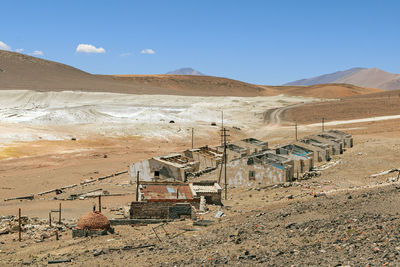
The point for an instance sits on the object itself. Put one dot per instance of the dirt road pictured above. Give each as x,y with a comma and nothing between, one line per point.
274,116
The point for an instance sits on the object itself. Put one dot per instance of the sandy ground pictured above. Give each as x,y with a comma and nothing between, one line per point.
35,165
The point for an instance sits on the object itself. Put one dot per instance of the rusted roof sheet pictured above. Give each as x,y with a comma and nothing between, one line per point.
166,191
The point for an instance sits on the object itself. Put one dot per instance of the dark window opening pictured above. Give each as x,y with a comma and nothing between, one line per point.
252,175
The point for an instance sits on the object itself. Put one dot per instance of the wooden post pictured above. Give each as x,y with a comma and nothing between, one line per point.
323,128
19,224
156,234
137,186
225,162
50,219
59,214
177,192
57,235
100,203
296,130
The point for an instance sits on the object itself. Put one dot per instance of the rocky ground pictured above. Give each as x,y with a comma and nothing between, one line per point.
352,220
354,228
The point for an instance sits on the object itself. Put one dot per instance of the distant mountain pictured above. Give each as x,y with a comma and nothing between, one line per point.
373,78
326,78
185,71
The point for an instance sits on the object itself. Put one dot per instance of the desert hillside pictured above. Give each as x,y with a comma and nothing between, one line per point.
352,107
197,85
19,71
325,90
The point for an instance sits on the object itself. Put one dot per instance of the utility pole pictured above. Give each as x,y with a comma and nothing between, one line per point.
222,127
223,136
192,137
137,186
19,225
296,130
323,128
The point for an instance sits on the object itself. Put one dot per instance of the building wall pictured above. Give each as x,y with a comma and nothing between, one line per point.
347,140
205,161
147,168
321,154
160,210
252,148
144,171
238,174
335,147
211,198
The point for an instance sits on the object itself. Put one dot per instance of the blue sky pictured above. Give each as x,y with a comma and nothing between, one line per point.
264,42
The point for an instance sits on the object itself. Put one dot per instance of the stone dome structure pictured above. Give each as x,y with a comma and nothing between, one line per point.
93,221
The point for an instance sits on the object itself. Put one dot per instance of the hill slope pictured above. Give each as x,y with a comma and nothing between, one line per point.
19,71
198,85
325,90
373,78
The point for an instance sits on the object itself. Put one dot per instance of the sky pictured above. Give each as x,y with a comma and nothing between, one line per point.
264,42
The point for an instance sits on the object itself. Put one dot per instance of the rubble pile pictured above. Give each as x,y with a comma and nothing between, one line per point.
33,229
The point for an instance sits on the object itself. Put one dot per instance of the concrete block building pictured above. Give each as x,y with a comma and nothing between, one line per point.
174,167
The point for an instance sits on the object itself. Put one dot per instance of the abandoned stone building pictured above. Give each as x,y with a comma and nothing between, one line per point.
347,139
319,153
207,157
210,190
302,158
174,167
335,145
249,161
164,200
234,151
326,148
252,145
161,210
263,168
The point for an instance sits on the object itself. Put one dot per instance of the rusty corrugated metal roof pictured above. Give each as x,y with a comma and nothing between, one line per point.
166,191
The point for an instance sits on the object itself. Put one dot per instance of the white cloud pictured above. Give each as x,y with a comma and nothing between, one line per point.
4,46
147,51
19,50
126,54
37,53
88,48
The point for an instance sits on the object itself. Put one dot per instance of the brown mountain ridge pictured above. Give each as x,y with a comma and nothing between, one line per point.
21,71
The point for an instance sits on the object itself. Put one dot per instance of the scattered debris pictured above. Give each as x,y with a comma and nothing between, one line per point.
203,223
131,247
219,214
59,261
385,172
328,165
30,197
